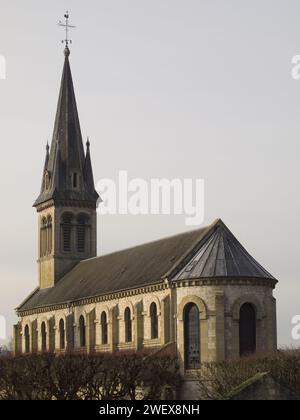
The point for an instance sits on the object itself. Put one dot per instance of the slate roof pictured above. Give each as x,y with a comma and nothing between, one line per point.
209,252
67,153
222,255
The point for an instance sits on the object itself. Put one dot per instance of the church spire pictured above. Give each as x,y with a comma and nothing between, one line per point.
66,205
72,183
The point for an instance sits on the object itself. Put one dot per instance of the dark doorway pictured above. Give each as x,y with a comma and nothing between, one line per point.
247,329
191,336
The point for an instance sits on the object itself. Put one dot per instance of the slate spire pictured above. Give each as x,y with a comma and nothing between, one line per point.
68,169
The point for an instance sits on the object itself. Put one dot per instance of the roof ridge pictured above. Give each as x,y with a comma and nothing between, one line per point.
151,243
197,244
213,241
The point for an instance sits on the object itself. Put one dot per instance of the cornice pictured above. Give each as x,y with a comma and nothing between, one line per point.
225,281
155,287
65,203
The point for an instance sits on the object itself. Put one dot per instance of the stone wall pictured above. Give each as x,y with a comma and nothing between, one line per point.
218,305
54,266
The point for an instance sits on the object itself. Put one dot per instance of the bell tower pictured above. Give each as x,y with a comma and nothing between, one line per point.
66,205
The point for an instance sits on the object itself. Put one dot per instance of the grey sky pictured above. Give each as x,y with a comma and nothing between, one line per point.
165,88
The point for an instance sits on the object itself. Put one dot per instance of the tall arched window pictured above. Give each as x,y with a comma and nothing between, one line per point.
67,232
49,235
154,320
27,339
82,337
62,334
191,336
43,237
128,325
44,336
104,335
81,233
247,329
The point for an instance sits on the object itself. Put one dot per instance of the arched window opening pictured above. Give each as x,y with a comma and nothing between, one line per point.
128,325
191,336
154,320
62,344
81,233
49,235
44,336
67,231
43,237
27,339
104,335
247,329
82,336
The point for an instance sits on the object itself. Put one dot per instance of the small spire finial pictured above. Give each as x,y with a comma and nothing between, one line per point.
67,26
88,143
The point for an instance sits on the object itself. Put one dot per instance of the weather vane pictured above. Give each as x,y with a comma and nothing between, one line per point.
67,26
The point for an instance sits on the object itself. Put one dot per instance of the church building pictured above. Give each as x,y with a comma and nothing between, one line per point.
199,294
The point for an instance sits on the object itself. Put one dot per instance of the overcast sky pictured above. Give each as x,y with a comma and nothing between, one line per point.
165,88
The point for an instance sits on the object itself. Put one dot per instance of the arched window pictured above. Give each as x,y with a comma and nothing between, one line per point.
62,334
44,336
128,325
154,320
49,235
27,339
43,237
67,231
82,332
247,329
104,335
191,336
81,233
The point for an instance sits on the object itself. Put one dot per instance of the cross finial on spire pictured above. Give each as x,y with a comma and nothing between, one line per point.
67,26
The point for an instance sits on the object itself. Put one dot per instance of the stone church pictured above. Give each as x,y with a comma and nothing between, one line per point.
199,294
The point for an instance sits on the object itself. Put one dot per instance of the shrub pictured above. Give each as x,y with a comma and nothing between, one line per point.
217,380
77,376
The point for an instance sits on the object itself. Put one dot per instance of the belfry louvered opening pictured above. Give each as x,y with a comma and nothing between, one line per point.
67,231
81,233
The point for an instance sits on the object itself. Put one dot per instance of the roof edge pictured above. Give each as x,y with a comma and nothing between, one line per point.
203,236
